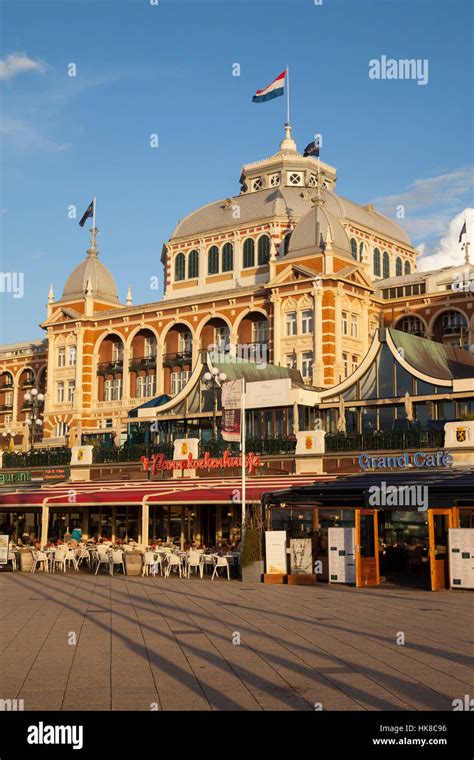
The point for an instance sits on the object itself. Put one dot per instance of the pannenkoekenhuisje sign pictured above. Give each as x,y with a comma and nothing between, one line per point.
419,460
158,462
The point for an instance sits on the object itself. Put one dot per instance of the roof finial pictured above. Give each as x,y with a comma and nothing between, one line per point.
288,145
129,296
51,294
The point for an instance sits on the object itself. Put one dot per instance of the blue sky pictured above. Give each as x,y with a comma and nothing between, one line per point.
167,69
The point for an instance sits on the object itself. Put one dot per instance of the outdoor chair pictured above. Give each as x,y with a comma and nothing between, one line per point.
174,561
102,559
70,557
221,562
40,558
158,564
207,562
59,559
148,563
116,558
84,554
194,561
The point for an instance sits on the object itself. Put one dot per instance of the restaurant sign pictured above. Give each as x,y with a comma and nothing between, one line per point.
419,460
159,463
56,474
22,476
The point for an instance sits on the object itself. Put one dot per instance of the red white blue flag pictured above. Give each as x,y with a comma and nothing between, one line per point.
272,90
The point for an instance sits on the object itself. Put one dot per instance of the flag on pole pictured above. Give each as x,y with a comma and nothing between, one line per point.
312,149
272,90
87,214
463,231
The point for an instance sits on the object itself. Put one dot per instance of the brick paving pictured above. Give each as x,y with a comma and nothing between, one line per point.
167,644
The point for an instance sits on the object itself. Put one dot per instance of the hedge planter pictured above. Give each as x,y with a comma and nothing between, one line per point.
133,563
253,573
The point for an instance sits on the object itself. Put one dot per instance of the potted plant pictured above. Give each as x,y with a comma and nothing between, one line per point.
252,555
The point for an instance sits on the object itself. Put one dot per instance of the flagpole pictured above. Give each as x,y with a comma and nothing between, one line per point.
93,243
242,448
288,95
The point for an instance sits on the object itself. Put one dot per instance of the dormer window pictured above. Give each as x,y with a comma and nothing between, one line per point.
294,178
257,184
274,180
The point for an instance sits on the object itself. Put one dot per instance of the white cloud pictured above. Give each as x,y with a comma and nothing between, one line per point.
17,63
448,251
26,137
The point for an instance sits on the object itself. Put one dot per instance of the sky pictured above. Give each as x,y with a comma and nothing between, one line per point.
166,68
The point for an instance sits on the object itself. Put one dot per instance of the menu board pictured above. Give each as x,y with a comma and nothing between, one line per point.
275,551
3,549
342,560
461,557
301,556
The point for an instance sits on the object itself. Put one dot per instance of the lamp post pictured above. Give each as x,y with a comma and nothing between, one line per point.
212,381
34,421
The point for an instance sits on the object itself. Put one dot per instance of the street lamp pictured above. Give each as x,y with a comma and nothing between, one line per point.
34,421
212,381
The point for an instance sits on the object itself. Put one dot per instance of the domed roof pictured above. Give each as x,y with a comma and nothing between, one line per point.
93,274
311,232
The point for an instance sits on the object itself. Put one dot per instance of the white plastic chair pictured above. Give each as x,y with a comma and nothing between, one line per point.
40,558
59,559
116,558
70,557
148,563
158,563
221,562
173,561
207,562
194,560
84,554
102,559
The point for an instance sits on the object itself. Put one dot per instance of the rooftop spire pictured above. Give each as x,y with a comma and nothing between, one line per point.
51,294
288,145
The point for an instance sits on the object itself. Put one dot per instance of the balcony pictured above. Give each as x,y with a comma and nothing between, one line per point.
110,368
26,405
6,407
454,330
5,386
142,363
28,383
177,359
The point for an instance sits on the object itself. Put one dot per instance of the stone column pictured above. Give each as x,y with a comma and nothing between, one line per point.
160,379
44,524
318,365
145,523
126,375
365,326
338,334
275,299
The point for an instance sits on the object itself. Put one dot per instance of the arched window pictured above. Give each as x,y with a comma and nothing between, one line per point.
193,265
227,257
361,251
354,248
249,253
407,267
376,262
398,267
412,325
286,243
179,267
263,250
386,265
213,260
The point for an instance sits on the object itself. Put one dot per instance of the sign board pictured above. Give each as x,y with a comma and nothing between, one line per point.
301,556
342,559
81,454
3,549
231,410
23,476
158,462
268,393
461,557
183,447
310,442
56,474
275,552
459,435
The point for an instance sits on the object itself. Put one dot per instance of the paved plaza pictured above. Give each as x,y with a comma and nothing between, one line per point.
170,644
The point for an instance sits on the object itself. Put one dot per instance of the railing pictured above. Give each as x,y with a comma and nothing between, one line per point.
104,455
6,386
109,368
26,405
41,458
27,383
6,407
181,357
143,362
400,440
267,445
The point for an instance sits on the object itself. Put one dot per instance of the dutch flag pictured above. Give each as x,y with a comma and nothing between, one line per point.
272,90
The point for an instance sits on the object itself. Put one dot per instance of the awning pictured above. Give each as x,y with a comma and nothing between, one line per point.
158,401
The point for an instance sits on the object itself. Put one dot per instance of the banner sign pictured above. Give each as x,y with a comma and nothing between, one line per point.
24,476
56,474
461,557
342,563
301,556
3,549
231,410
159,462
275,551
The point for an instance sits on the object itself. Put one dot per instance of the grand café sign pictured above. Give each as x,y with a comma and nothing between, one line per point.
159,463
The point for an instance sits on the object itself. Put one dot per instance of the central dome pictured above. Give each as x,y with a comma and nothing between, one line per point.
90,272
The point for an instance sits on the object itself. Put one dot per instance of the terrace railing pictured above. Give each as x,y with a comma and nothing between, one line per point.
36,458
267,445
400,440
111,455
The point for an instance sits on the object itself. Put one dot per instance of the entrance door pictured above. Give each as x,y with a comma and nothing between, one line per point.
439,523
367,548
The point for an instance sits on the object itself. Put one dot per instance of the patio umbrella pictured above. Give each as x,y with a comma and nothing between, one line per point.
341,422
11,444
409,407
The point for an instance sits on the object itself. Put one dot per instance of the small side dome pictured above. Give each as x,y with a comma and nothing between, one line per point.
91,270
310,233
